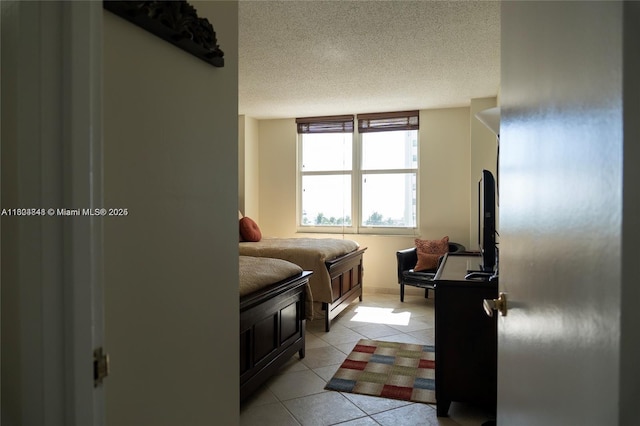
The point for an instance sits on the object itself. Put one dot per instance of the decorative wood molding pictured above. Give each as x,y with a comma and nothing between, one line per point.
174,21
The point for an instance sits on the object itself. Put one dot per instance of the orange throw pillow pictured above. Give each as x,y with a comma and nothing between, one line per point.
249,230
429,253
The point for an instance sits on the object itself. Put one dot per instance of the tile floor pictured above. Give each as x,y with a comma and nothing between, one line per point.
296,395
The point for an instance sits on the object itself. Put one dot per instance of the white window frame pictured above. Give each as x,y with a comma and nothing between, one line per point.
356,173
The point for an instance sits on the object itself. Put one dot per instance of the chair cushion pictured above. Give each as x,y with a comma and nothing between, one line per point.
419,275
418,279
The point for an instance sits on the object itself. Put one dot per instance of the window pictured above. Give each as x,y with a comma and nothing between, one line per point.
358,181
326,165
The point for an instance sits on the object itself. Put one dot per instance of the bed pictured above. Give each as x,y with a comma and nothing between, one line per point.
337,267
272,318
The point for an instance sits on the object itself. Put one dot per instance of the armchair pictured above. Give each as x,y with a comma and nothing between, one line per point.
407,259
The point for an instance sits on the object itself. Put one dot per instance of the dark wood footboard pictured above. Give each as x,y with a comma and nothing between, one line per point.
272,330
346,283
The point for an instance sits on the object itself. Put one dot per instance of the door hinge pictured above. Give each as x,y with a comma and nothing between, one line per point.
100,366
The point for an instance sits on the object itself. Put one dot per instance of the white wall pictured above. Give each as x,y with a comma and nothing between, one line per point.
170,126
484,152
445,159
444,174
277,176
249,197
241,165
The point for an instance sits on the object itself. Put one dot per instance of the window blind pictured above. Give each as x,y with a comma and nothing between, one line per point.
387,121
328,124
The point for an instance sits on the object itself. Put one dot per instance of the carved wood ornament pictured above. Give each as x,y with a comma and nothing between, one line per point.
174,21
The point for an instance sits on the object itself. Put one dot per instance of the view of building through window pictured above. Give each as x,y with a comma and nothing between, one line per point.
327,163
389,170
381,169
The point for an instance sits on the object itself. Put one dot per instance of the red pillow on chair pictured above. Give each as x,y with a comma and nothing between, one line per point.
429,253
249,230
426,261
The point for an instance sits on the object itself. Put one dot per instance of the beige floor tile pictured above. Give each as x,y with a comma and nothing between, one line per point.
345,348
414,324
346,316
412,415
373,404
340,334
293,364
274,414
324,409
296,384
313,341
402,338
323,357
373,331
419,303
262,396
327,372
428,336
363,421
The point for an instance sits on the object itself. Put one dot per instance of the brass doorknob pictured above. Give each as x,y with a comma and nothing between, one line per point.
499,304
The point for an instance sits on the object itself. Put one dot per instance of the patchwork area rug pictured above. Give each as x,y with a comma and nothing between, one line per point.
390,370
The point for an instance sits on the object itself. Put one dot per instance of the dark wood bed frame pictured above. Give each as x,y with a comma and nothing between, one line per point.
346,283
272,330
272,320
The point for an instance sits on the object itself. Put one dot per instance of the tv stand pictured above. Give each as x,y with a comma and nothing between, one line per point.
466,338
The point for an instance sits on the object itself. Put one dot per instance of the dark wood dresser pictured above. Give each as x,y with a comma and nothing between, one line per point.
466,337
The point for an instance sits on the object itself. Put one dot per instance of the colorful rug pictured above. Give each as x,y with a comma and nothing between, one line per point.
389,370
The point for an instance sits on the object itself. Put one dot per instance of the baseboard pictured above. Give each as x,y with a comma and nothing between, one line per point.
408,290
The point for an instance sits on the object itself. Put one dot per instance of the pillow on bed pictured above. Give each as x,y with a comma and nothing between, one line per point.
249,230
429,253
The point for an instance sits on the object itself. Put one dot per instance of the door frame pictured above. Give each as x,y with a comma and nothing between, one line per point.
54,117
83,186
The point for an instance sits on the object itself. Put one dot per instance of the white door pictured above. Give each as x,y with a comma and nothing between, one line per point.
560,213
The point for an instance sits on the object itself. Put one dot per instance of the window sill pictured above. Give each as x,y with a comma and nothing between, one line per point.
399,232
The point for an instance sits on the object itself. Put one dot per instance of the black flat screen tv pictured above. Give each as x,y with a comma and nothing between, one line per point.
487,221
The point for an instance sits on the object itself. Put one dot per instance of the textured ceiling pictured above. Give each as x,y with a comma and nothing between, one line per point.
307,58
